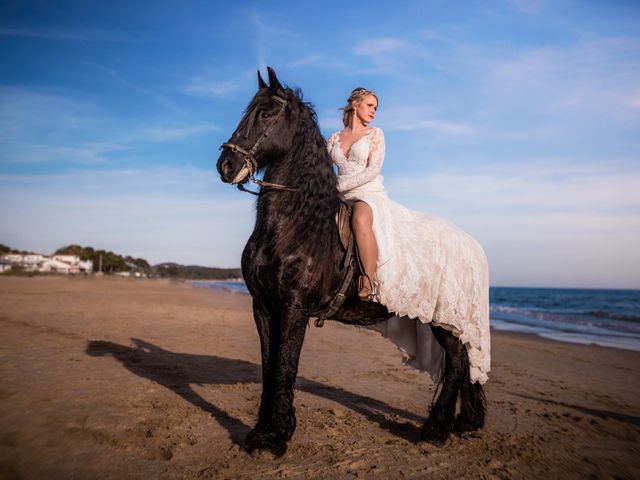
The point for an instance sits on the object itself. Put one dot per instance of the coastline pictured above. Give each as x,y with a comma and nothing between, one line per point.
112,377
599,337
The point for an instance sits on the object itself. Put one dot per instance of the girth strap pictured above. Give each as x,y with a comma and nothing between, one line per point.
340,297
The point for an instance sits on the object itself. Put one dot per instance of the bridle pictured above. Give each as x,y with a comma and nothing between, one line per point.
250,162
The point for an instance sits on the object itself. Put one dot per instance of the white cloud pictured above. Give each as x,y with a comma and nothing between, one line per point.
418,117
446,128
303,61
330,120
211,88
91,153
41,126
22,109
176,133
597,74
175,214
379,46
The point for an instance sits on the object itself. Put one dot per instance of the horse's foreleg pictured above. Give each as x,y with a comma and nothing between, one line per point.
277,420
441,417
264,323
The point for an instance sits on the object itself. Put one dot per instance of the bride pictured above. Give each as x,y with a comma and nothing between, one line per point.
421,267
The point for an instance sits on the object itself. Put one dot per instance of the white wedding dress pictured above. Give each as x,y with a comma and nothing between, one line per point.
429,270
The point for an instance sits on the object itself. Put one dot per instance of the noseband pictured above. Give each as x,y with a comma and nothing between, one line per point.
250,162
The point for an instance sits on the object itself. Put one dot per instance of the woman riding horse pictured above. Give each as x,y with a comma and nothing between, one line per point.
433,282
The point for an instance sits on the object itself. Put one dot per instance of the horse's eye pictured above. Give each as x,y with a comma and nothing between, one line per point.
265,115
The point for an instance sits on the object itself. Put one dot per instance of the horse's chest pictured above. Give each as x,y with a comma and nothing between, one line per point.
258,266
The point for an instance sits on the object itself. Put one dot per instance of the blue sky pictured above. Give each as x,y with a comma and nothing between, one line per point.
517,120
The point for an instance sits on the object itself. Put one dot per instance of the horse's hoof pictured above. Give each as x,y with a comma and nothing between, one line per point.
258,441
463,426
435,435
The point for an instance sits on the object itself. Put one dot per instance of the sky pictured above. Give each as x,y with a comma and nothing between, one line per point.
517,120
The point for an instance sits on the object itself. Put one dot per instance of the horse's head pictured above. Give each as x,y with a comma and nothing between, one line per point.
264,132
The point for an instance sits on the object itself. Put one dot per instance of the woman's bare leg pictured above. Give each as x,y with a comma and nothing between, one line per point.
362,222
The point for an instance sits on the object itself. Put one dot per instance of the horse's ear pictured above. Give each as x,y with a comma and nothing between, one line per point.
261,83
274,83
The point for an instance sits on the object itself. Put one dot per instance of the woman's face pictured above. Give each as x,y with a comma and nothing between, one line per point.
366,110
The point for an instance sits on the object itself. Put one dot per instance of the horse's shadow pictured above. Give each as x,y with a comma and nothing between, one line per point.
178,371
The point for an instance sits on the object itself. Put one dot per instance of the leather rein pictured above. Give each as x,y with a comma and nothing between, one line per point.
250,162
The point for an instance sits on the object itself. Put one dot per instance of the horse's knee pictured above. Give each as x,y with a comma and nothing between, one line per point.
362,216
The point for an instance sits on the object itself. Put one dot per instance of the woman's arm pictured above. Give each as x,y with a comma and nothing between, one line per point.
374,164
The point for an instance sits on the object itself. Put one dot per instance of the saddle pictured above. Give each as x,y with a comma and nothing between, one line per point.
350,262
343,221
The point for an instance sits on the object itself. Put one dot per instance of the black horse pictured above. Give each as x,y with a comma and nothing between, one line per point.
292,264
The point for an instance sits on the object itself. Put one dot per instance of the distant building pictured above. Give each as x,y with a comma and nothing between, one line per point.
13,258
5,266
35,262
32,258
70,259
56,266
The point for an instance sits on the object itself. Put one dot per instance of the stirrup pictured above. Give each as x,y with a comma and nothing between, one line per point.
368,293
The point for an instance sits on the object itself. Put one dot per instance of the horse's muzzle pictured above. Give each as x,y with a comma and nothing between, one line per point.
226,168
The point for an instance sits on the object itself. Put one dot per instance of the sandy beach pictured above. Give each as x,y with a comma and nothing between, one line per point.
124,378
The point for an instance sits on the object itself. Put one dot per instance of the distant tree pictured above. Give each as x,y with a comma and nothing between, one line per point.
174,270
111,262
142,263
4,249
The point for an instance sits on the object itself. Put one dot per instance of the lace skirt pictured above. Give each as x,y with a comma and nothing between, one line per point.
429,271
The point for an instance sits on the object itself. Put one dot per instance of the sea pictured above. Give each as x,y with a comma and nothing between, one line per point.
609,318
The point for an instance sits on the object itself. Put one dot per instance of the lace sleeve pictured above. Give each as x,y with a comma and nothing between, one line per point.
374,164
330,141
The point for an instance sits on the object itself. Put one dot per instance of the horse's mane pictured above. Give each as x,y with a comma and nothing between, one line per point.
310,226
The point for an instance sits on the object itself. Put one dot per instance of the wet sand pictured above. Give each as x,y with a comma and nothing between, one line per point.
127,378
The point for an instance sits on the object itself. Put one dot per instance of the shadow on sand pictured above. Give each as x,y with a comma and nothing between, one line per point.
178,371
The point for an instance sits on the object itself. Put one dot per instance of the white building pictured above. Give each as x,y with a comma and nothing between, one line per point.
70,259
35,262
56,266
5,265
32,258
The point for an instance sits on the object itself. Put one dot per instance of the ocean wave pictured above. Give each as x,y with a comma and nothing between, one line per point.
615,316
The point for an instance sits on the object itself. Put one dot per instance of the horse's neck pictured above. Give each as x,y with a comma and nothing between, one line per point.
303,200
299,226
311,209
312,177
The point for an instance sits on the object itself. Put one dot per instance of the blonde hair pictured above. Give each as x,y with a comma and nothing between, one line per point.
357,95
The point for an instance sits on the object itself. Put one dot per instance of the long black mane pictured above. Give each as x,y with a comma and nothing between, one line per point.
307,221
